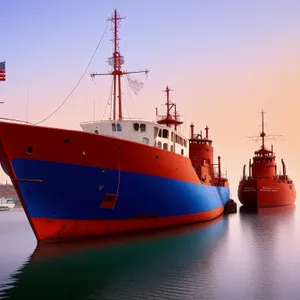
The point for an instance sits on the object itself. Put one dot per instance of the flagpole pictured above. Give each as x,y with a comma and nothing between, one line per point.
94,110
27,106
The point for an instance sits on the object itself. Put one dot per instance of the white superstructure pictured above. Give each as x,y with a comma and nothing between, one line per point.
145,132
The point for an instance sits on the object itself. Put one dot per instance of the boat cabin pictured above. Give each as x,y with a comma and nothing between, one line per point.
145,132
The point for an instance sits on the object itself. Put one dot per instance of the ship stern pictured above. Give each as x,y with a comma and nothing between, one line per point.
247,193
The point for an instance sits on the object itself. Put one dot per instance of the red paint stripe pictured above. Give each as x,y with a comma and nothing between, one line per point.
90,149
56,229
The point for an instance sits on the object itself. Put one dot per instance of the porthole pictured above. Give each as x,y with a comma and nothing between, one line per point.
29,150
66,141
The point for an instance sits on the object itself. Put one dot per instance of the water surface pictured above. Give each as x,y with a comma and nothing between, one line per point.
241,256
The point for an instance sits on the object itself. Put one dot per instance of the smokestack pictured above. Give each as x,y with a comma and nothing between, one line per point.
192,130
250,167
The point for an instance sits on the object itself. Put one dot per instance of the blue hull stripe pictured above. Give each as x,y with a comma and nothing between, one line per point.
75,192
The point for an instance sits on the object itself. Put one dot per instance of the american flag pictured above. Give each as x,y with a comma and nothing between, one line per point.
2,71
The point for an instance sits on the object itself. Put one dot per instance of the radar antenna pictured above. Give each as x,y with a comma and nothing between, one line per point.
263,134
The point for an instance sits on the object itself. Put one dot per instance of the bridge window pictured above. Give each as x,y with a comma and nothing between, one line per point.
165,146
159,133
179,140
159,144
172,148
155,132
165,133
116,127
136,126
182,152
143,127
172,136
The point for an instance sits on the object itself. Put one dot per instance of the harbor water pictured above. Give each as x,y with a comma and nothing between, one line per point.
240,256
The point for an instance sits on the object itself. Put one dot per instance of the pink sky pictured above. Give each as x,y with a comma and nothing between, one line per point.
222,76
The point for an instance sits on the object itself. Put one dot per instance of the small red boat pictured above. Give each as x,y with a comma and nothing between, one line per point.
263,187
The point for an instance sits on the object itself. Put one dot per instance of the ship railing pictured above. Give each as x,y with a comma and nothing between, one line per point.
219,182
280,178
214,169
223,176
164,116
246,177
216,172
15,120
111,121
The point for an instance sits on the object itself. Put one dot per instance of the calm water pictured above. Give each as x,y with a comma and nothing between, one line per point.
242,256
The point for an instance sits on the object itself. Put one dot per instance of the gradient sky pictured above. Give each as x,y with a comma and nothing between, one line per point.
226,60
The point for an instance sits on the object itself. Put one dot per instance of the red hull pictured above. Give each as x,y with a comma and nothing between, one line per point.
49,228
266,193
53,250
48,144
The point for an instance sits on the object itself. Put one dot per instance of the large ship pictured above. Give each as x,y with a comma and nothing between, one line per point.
263,187
114,176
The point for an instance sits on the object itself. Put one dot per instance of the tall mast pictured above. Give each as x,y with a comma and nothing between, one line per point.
168,119
263,134
169,105
116,61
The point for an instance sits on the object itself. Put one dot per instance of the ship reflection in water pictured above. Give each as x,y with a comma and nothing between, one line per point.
271,246
249,255
164,265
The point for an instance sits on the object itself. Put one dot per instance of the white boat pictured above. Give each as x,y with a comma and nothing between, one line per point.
6,203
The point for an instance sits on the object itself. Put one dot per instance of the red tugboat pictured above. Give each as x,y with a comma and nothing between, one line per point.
263,187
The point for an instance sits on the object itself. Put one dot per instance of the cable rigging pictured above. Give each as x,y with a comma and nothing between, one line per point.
65,100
